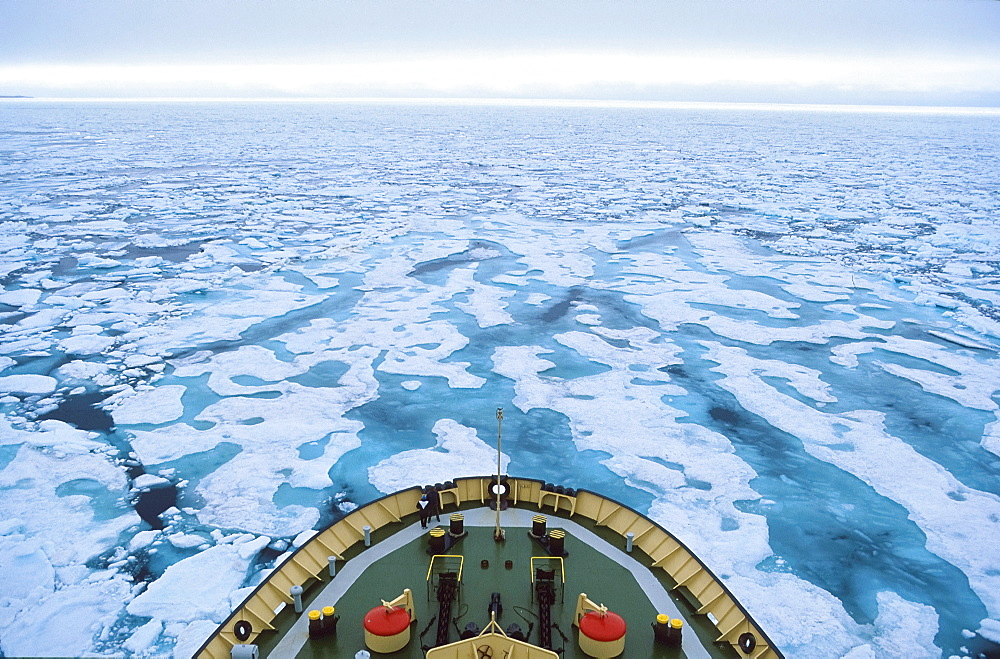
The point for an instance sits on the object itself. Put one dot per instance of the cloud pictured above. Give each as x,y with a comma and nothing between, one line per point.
892,51
608,74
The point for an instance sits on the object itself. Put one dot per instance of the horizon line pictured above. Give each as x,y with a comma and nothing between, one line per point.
527,102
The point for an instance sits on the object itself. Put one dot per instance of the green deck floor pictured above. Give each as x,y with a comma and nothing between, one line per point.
586,570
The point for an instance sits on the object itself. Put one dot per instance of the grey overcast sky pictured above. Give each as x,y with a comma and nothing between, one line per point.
922,52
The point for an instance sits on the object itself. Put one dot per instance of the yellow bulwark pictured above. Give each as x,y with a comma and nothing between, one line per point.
665,552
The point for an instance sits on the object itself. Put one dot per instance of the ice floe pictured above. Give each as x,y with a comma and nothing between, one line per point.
155,405
458,451
28,384
198,588
24,297
268,431
989,628
486,303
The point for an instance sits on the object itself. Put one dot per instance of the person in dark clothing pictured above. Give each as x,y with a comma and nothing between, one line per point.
424,507
434,501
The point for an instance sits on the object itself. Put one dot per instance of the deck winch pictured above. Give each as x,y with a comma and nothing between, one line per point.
496,606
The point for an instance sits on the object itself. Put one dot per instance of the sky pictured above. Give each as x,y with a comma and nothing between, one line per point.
894,52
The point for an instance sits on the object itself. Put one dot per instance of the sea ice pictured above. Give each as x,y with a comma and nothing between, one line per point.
265,317
51,475
486,303
143,539
239,494
191,637
245,362
922,486
904,629
25,573
24,297
989,629
147,482
156,405
54,627
28,384
143,639
198,587
458,451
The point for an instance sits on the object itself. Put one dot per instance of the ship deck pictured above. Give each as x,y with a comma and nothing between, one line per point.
603,571
659,576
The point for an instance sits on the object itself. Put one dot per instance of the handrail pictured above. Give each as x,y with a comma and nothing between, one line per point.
562,566
461,564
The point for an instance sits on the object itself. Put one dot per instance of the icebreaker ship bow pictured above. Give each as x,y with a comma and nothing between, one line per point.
588,578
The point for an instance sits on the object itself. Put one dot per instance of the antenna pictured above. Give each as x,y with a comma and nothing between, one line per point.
498,532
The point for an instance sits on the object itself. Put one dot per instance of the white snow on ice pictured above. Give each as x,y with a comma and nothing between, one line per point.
240,321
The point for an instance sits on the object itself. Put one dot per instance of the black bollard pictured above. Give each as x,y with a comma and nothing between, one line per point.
675,631
538,526
436,539
557,538
661,629
457,527
329,621
667,631
315,624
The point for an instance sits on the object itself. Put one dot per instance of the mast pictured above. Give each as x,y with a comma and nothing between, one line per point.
498,532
